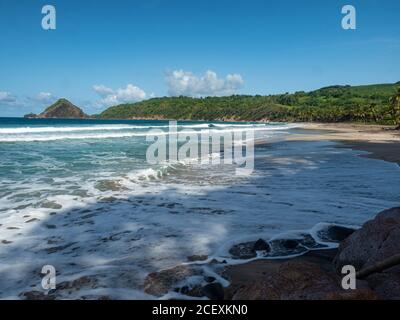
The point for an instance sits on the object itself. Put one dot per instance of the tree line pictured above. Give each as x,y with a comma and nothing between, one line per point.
367,104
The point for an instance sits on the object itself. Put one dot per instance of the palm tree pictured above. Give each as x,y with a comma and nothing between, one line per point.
395,108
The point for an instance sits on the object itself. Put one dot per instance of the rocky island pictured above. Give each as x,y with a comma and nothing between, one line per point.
62,109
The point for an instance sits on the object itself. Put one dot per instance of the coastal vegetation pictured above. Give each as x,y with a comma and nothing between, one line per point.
395,103
366,104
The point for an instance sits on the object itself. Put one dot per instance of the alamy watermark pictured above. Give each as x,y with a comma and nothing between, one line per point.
206,147
49,20
349,21
349,281
49,279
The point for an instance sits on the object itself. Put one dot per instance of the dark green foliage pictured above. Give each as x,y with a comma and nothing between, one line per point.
395,108
371,103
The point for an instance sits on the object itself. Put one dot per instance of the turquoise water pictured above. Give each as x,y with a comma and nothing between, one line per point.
80,195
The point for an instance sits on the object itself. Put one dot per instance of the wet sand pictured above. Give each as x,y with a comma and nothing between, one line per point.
382,142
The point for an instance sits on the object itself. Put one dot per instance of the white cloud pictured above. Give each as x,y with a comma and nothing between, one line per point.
45,98
186,83
17,105
38,101
122,95
103,90
7,97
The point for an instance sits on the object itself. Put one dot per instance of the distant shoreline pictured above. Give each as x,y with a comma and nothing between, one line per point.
382,142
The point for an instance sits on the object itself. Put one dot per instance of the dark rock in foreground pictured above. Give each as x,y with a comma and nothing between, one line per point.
243,251
249,250
285,247
308,277
276,247
376,241
335,233
261,245
213,291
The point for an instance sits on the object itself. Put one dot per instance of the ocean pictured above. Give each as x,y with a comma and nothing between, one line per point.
79,195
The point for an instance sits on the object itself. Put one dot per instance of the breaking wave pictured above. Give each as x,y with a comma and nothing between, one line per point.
32,134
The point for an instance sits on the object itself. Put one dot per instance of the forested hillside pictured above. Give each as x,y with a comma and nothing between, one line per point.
369,103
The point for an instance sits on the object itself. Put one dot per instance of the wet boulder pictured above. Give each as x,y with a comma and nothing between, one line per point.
335,233
261,245
376,241
248,250
213,291
285,247
309,242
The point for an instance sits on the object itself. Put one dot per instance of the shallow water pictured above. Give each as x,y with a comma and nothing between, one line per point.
79,195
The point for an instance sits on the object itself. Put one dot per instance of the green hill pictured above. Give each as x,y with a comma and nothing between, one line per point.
369,103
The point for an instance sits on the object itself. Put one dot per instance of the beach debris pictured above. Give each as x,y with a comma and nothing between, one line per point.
379,267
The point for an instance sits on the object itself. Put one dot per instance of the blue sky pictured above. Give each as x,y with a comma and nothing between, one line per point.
105,52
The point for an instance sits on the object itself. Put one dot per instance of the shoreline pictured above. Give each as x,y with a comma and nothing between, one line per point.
374,139
381,142
251,280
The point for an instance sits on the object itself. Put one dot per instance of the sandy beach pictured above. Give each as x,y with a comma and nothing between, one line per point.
383,142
